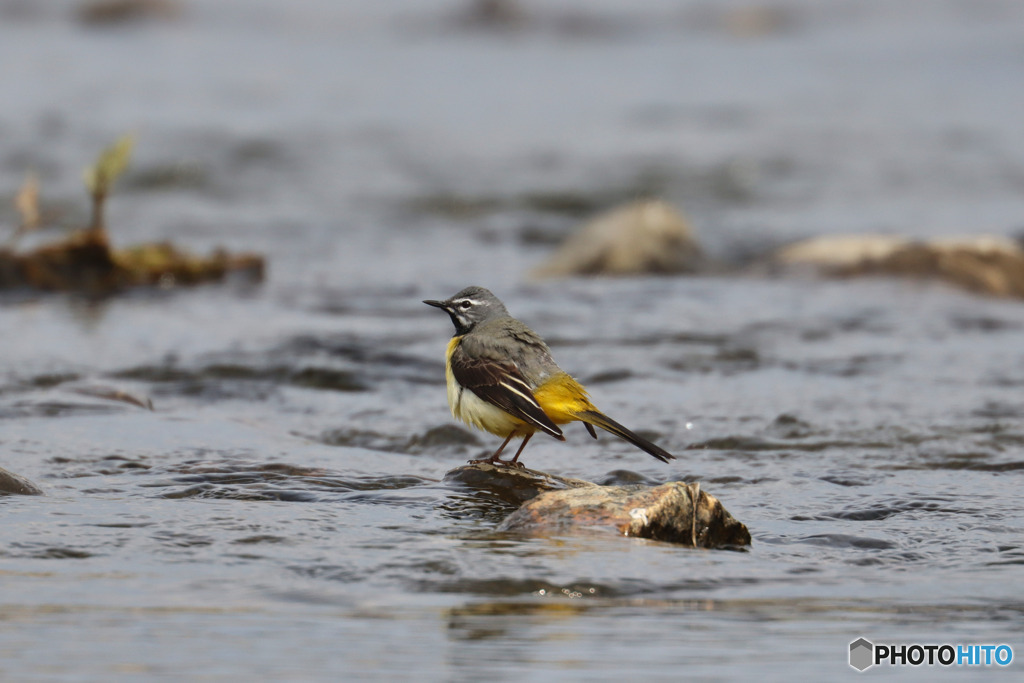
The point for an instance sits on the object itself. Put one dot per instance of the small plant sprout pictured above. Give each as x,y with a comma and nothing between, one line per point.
100,177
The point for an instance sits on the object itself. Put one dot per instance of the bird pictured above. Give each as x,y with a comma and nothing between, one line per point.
502,379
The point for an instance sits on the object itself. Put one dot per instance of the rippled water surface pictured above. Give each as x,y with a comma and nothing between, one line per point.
282,511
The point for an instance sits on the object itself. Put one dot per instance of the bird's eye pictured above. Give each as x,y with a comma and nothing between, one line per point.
464,304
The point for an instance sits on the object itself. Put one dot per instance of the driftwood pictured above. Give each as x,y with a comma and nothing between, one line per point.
676,511
11,483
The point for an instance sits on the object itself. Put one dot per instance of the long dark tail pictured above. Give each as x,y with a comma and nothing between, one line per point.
592,417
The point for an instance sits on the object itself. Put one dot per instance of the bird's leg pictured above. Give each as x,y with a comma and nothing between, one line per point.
494,459
515,460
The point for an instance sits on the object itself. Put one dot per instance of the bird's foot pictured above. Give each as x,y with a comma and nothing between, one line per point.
498,462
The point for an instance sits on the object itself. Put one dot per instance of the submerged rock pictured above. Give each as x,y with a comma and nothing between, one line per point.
986,264
11,483
638,238
676,512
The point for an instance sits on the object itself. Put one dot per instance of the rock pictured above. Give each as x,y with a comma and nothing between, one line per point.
11,483
839,251
84,261
986,264
639,238
675,512
512,484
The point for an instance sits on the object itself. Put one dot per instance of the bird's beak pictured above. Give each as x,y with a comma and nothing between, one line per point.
436,304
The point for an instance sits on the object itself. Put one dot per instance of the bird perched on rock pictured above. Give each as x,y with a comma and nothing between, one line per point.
502,379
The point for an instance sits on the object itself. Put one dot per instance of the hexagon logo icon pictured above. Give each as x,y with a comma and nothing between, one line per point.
862,654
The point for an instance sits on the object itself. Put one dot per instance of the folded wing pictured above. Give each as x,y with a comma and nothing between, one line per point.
502,385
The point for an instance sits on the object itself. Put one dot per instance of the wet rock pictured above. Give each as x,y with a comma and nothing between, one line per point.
511,484
11,483
676,512
986,264
85,262
638,238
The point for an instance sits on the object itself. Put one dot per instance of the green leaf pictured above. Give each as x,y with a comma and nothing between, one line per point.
111,163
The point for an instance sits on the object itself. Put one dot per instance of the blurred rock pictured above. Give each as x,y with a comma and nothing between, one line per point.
502,17
839,251
11,483
986,264
492,15
757,21
639,238
120,11
676,512
84,261
746,21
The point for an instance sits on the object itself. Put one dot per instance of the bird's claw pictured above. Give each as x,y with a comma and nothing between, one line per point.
498,462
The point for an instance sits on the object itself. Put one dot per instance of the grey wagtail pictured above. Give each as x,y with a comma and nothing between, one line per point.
502,379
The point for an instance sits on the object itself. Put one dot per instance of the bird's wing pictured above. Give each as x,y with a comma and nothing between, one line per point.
501,384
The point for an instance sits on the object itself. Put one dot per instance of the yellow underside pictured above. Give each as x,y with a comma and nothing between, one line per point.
561,397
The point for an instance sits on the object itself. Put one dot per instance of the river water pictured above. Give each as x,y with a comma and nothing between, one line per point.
281,513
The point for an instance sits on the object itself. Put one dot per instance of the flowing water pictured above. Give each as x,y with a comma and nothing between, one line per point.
281,512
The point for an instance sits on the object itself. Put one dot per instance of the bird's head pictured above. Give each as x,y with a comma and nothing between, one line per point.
470,307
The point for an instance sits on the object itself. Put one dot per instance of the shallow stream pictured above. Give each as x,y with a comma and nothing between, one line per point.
280,513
